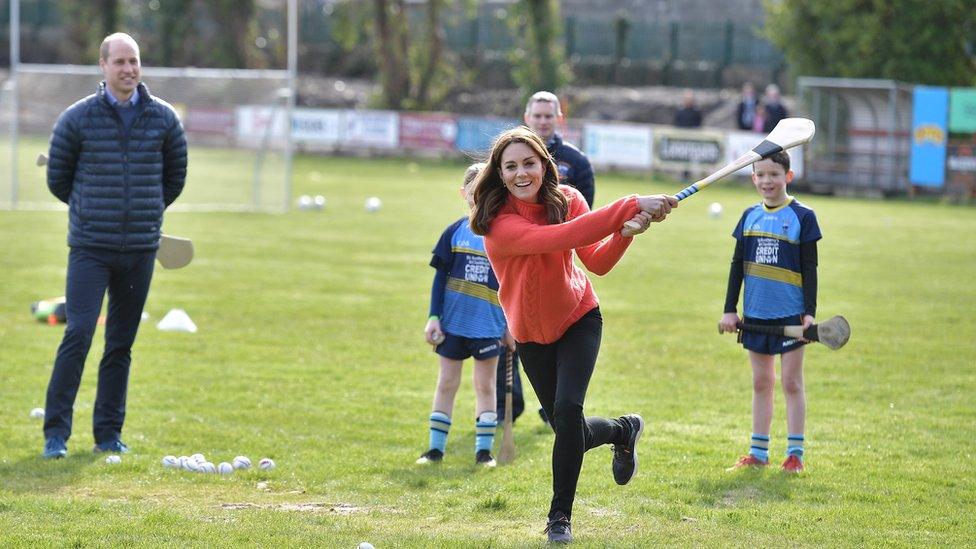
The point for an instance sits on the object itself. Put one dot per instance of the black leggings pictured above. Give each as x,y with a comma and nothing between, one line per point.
560,373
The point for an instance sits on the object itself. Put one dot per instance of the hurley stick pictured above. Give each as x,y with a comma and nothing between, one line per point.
507,453
833,333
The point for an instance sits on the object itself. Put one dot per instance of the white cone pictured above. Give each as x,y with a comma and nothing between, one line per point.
176,320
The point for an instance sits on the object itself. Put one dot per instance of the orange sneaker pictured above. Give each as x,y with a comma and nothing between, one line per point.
793,464
748,460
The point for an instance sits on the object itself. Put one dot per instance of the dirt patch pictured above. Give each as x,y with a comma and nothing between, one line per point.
737,496
307,507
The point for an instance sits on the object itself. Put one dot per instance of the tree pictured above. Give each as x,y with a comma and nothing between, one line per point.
429,62
86,24
909,40
392,43
236,17
538,63
175,27
414,73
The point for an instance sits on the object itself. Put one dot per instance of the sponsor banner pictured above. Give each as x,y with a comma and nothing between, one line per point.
375,129
618,145
317,125
428,131
962,158
929,133
962,110
475,135
961,167
209,121
683,149
739,143
258,122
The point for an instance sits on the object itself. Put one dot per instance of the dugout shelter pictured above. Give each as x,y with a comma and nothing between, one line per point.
863,128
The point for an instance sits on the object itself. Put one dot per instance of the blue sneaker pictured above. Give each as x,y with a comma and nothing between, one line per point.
115,446
55,448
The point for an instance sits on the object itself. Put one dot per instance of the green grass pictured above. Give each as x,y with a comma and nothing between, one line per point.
310,351
220,179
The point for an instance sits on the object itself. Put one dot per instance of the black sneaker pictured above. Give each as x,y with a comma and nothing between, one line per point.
559,529
625,455
430,456
484,457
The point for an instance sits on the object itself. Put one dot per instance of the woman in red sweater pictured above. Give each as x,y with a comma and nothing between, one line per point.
532,226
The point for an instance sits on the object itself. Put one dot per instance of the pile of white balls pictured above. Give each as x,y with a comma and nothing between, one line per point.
306,202
197,463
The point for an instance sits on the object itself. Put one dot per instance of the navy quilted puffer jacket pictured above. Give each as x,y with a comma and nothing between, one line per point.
116,186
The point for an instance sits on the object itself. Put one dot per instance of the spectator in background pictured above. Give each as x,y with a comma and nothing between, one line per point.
689,116
775,111
542,112
759,118
746,112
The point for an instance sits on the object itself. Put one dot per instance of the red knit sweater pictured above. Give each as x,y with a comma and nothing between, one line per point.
541,289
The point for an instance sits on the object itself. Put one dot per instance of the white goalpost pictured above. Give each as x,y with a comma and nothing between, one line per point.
235,123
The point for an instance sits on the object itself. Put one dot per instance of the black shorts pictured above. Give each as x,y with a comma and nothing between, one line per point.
460,348
771,344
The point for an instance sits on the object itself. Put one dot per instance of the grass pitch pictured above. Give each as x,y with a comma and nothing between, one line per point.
310,351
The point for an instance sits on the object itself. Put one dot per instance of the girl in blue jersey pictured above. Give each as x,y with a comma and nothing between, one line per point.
465,321
776,256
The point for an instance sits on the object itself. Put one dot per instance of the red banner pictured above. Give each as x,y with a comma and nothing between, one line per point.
428,131
210,121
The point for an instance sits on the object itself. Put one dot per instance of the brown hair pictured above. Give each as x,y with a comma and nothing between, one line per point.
490,193
782,158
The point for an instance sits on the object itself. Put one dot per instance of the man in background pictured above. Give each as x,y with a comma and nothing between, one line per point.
775,111
689,116
118,160
746,111
542,113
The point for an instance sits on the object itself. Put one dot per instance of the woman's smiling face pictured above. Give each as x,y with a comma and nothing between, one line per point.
521,171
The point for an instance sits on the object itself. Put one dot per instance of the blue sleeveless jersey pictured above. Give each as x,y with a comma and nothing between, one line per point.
471,307
771,257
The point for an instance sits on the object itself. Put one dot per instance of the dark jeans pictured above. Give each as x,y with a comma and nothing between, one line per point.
518,401
560,373
126,276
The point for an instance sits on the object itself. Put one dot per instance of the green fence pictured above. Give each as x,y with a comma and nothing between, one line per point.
660,49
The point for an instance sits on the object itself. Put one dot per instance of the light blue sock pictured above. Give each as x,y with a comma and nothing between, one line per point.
485,427
440,424
760,446
794,445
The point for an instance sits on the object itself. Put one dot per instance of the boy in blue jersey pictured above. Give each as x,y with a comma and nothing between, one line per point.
466,320
776,256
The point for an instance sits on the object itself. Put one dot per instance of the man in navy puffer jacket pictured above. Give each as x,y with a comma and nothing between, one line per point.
118,159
